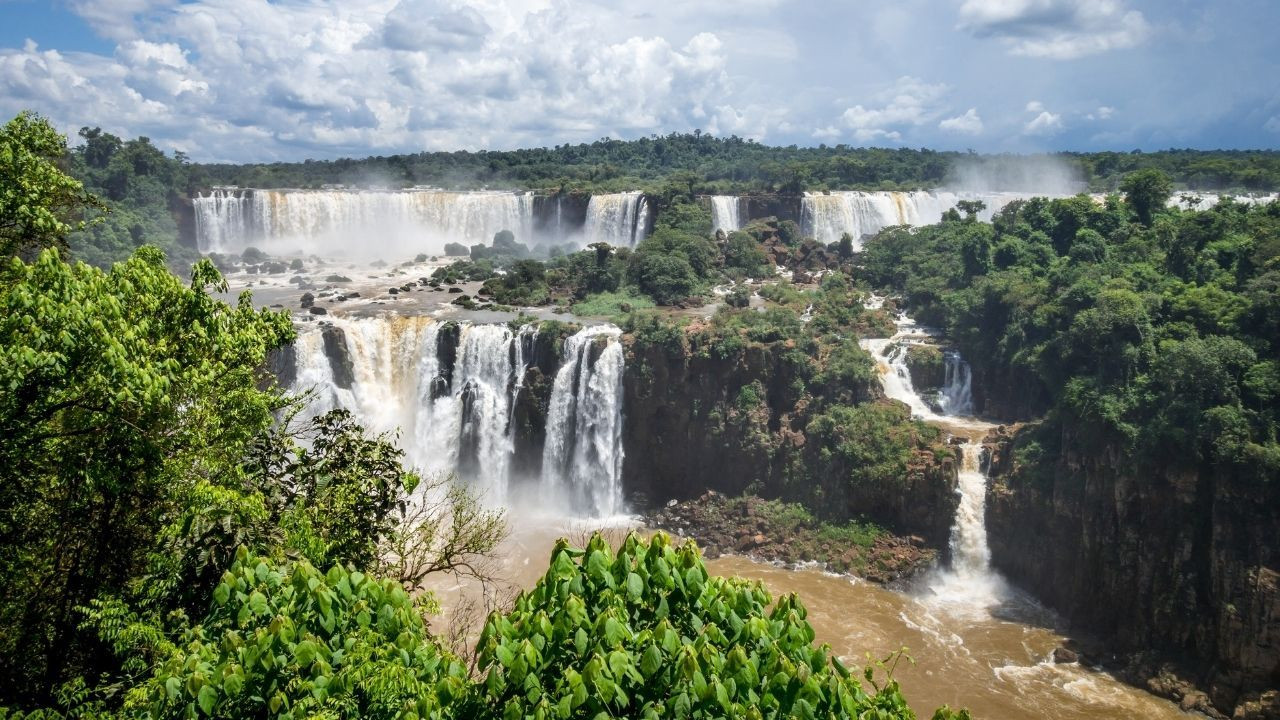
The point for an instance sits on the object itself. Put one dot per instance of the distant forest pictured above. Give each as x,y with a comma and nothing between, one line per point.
734,165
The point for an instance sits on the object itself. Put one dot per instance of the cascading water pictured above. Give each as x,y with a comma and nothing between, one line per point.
969,586
957,391
827,216
725,214
356,222
450,391
450,419
620,219
582,457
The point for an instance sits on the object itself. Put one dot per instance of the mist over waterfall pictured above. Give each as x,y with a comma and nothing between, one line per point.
357,223
827,216
583,452
957,391
620,219
450,390
725,213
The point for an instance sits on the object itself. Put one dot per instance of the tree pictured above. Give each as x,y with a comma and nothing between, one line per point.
39,203
126,394
971,208
1146,191
667,279
288,641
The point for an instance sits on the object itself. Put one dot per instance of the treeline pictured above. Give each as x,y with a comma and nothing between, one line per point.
735,165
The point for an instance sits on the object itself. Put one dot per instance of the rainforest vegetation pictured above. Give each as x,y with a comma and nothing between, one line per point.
185,539
1149,328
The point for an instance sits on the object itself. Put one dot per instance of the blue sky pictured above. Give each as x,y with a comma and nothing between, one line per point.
246,80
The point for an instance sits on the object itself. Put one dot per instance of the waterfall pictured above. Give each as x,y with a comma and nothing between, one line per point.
969,586
363,223
450,391
725,213
827,216
583,452
454,418
957,392
620,219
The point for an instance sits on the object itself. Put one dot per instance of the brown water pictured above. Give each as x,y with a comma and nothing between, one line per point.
997,668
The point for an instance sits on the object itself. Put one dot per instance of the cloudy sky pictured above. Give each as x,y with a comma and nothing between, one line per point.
248,80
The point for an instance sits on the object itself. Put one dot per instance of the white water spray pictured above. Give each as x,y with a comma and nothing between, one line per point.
582,457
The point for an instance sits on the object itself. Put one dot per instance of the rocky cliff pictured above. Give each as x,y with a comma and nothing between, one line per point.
697,420
1173,567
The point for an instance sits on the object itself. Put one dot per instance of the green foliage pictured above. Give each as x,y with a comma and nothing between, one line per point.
288,641
1146,192
40,205
648,633
668,279
616,306
144,188
524,283
1140,326
743,253
688,163
124,393
869,444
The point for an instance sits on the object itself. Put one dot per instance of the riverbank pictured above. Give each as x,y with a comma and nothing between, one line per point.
779,532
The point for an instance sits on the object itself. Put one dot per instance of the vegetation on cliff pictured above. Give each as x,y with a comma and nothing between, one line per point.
183,539
1152,329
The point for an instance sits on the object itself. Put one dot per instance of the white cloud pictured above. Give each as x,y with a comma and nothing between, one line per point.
910,102
970,123
1102,113
244,79
1046,123
1057,29
1035,106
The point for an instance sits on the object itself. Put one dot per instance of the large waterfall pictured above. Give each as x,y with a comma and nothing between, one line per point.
583,452
726,213
620,219
360,223
450,391
827,216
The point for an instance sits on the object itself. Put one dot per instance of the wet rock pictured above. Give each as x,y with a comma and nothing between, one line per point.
308,300
393,291
1063,656
317,310
455,289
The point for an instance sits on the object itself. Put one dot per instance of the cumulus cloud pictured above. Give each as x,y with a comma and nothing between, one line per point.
244,79
1057,29
970,123
430,24
1102,113
910,102
1046,123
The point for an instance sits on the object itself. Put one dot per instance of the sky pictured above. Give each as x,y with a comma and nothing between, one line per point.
259,81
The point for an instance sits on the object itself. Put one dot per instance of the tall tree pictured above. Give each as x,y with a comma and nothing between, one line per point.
39,203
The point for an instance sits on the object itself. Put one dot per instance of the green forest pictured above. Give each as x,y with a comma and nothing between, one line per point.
733,165
1135,326
184,540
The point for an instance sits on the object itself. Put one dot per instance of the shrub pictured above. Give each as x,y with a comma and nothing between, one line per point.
648,633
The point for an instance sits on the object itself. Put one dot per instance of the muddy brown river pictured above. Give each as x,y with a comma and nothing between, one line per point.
997,668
